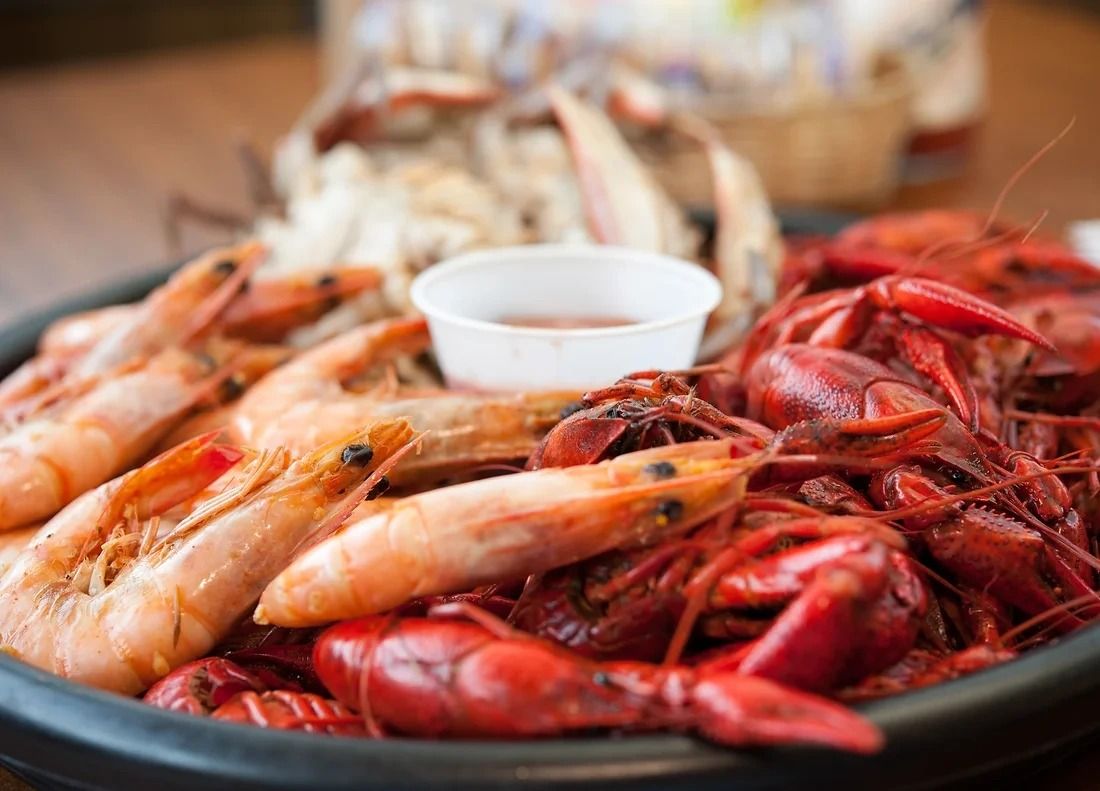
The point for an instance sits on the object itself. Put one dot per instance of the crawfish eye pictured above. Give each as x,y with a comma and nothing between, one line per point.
378,489
326,280
225,267
601,678
660,470
570,409
669,511
357,454
957,476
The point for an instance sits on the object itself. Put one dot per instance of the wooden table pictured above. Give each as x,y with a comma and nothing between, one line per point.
89,155
1044,62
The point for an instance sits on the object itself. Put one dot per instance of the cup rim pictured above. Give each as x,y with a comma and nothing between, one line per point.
710,287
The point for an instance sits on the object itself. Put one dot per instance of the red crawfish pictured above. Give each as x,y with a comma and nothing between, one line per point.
437,678
839,584
642,410
633,414
799,382
202,686
893,319
922,667
291,710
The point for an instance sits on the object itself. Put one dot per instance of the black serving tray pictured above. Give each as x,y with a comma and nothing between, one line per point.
1001,721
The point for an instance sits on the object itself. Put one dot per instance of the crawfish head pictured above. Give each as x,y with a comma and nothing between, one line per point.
991,551
584,437
798,382
633,627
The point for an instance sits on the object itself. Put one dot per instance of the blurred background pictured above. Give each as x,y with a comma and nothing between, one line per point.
113,109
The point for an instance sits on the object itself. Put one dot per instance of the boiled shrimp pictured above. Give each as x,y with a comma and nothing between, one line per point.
282,408
78,352
48,461
178,311
455,538
305,403
274,306
98,598
250,364
12,542
467,430
74,334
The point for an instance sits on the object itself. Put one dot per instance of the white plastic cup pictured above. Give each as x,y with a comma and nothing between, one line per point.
464,299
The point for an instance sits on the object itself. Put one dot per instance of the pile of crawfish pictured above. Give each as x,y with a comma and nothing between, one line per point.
889,483
886,486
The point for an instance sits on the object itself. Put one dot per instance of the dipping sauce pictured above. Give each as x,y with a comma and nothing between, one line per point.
566,322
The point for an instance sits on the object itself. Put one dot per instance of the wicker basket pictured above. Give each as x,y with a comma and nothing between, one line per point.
836,152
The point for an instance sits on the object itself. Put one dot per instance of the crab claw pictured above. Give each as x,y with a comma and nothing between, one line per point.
948,307
623,203
735,709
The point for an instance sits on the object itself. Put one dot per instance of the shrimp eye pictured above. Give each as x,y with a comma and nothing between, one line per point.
660,470
326,281
357,454
233,387
225,267
378,489
669,511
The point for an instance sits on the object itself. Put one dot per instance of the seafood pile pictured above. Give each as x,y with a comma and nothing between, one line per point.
888,483
402,169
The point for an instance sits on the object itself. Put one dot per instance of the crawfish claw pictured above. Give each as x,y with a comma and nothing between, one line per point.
949,307
861,436
933,357
736,709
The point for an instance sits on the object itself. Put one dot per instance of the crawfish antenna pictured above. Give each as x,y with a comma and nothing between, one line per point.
998,204
1022,170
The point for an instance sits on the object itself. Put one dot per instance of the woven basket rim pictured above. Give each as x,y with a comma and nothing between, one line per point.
893,88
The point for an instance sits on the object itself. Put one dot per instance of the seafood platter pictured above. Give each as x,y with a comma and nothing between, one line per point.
257,530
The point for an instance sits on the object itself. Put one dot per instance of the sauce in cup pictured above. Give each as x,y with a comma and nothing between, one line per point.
565,322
